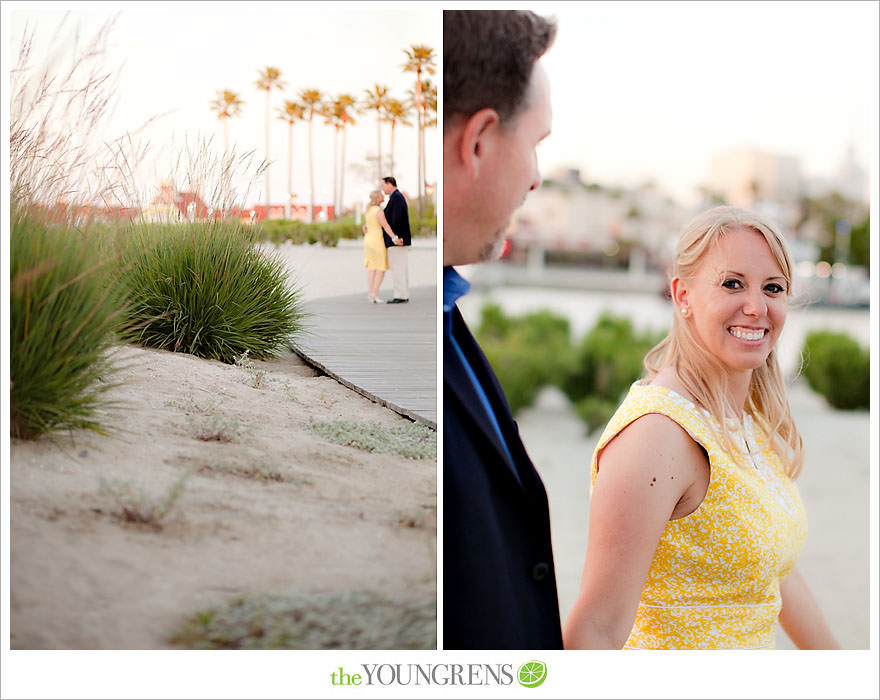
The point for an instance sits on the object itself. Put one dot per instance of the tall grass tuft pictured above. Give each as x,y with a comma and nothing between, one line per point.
63,313
205,289
63,316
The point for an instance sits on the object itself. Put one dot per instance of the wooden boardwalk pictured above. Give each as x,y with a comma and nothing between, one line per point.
387,352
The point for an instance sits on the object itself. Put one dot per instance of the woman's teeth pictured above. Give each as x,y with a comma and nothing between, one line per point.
747,334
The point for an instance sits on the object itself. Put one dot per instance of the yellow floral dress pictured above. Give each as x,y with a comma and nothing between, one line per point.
375,253
714,580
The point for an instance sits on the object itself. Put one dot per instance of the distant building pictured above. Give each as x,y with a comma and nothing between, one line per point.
565,215
745,177
297,213
850,180
171,205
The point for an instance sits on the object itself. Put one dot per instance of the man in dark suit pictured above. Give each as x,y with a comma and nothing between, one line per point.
397,239
499,584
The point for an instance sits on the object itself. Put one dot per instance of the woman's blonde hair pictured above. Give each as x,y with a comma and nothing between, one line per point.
374,195
701,373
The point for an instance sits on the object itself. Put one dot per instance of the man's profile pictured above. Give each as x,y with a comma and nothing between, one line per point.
499,585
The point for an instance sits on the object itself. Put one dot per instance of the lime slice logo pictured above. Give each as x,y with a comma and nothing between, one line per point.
532,673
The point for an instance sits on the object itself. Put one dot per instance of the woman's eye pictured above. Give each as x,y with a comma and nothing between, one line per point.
774,288
731,284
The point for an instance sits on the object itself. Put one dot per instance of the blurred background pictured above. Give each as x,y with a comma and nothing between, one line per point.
661,110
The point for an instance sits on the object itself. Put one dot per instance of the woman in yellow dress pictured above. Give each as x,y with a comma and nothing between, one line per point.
695,518
375,253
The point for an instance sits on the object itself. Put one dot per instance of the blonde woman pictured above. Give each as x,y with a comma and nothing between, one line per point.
375,253
695,518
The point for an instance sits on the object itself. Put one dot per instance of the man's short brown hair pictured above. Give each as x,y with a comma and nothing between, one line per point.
488,59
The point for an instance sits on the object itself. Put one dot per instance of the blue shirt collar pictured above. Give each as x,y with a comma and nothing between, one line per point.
454,287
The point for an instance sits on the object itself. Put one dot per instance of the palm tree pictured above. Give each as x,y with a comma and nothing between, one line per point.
331,112
290,112
396,113
269,78
311,98
429,97
375,99
420,58
227,104
342,118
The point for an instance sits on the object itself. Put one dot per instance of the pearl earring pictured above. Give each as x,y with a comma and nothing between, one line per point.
684,310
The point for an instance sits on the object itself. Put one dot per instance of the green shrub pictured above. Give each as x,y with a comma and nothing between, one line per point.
534,351
205,289
527,353
595,411
63,316
327,233
424,226
837,367
608,360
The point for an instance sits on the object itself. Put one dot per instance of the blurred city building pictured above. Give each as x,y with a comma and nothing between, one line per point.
169,204
568,224
569,221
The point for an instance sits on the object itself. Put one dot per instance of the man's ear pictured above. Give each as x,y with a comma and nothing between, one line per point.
472,147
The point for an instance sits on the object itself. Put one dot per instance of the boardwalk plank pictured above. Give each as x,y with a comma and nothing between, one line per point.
387,352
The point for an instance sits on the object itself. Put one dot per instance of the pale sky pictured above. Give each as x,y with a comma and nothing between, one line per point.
653,90
172,58
641,90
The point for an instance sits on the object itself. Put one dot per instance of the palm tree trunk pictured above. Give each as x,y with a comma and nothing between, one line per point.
379,133
419,127
287,211
268,198
335,167
424,163
391,156
311,172
342,173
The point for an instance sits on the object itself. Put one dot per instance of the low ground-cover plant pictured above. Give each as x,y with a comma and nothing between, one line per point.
133,505
62,322
412,440
836,366
207,290
355,620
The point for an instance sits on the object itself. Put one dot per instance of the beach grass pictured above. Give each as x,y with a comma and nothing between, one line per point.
62,322
205,289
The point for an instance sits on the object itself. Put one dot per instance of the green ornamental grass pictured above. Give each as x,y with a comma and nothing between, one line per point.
63,318
205,289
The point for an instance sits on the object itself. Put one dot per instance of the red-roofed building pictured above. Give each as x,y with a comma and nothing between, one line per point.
171,205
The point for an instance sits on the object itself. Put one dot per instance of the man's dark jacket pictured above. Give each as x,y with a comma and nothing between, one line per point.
499,584
397,215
